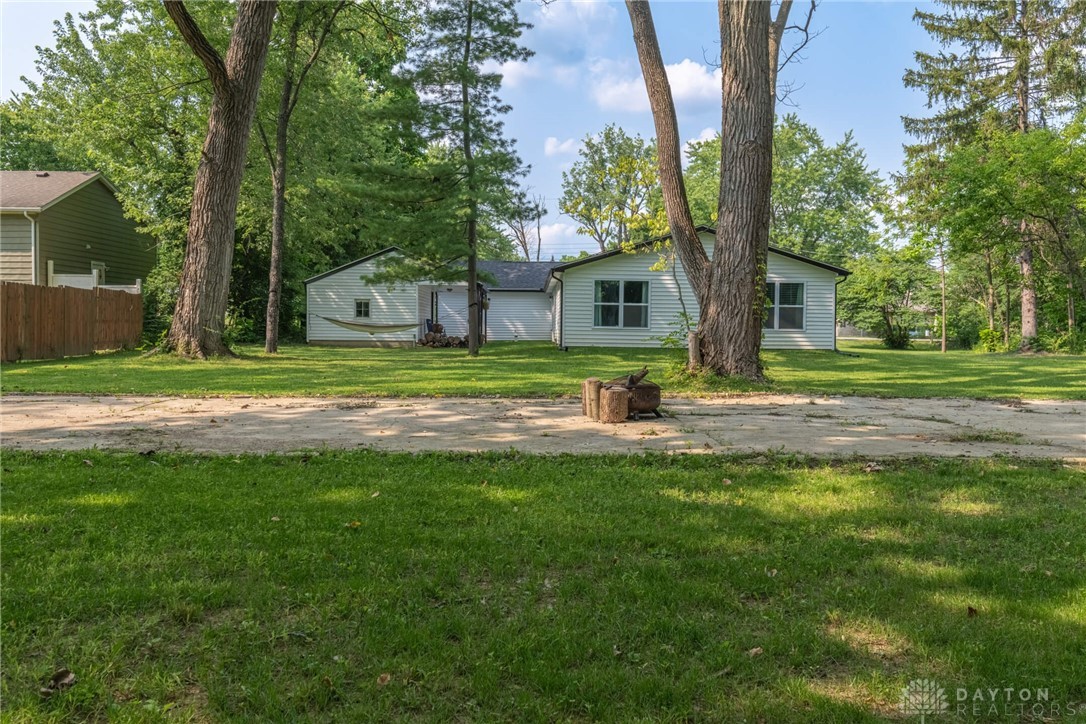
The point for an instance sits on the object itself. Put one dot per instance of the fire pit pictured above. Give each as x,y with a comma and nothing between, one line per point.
621,398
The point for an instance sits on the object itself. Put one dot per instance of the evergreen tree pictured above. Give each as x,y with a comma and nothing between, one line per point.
440,210
1014,64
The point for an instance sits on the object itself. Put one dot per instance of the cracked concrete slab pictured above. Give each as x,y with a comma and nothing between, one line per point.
864,426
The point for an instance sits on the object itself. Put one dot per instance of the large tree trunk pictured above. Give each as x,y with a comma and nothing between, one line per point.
730,288
732,340
199,317
1029,298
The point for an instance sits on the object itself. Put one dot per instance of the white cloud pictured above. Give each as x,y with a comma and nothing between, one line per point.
615,86
558,234
513,72
553,147
705,135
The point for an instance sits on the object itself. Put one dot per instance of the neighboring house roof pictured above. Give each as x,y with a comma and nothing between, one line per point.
349,264
701,229
510,275
518,275
38,190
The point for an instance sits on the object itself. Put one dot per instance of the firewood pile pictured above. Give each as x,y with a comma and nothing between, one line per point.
438,338
621,398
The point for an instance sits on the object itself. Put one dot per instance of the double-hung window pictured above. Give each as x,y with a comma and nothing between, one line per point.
621,304
785,305
362,308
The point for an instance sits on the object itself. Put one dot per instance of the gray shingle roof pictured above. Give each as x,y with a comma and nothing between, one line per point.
518,274
37,189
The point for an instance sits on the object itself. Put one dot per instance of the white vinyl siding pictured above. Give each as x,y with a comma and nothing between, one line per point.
518,316
452,310
556,312
334,297
664,303
16,249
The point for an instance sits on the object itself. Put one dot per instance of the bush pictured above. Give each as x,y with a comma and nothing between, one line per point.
1073,342
991,340
897,338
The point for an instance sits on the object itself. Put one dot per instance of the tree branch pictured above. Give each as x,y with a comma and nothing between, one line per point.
201,46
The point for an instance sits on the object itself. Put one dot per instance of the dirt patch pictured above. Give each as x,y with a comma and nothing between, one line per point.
834,426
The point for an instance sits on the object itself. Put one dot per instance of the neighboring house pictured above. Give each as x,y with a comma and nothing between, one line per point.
612,299
519,304
67,228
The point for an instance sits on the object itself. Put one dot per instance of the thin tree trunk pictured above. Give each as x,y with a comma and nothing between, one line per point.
199,318
1007,315
684,235
473,210
991,297
942,294
1025,258
732,337
1029,298
279,193
288,99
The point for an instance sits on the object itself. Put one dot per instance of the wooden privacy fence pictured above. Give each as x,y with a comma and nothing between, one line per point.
53,322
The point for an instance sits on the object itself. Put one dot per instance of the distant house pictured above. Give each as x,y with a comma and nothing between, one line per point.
67,228
519,304
612,299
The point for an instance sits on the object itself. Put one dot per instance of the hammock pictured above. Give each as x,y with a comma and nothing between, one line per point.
370,329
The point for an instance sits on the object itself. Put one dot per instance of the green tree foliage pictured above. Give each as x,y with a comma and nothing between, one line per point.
825,200
607,191
1003,66
1015,63
890,293
983,188
121,93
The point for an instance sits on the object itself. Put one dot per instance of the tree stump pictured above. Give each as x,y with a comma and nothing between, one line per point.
614,404
592,398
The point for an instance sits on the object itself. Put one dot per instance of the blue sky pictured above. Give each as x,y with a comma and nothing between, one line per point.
585,75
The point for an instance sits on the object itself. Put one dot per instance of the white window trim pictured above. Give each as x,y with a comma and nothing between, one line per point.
369,309
776,307
621,304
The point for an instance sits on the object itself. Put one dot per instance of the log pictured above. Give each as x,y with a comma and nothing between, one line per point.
629,380
614,404
693,349
593,384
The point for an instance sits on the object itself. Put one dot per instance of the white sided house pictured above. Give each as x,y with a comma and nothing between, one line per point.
618,299
399,314
613,299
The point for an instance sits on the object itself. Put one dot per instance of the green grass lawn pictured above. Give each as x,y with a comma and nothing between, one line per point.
538,369
377,587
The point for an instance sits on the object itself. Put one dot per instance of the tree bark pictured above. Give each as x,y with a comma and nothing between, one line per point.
473,209
614,404
684,235
288,99
732,329
279,195
730,288
200,315
991,290
942,294
1029,298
